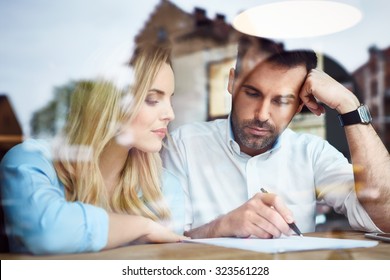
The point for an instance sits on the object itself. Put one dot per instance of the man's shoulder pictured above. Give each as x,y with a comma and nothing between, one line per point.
299,136
304,140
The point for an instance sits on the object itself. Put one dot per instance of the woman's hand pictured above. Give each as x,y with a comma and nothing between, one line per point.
157,233
130,229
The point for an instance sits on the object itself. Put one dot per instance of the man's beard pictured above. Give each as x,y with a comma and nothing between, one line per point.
253,141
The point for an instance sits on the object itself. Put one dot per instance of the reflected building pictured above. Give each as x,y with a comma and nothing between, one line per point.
203,51
373,79
10,130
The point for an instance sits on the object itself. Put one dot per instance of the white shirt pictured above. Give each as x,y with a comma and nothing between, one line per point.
301,168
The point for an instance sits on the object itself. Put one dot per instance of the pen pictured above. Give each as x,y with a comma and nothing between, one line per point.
293,226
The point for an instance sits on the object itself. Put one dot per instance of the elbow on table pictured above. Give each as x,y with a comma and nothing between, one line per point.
48,243
42,245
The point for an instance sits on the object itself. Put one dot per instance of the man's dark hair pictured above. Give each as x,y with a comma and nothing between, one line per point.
275,51
294,58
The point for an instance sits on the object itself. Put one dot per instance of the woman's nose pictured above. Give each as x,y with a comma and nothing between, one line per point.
169,114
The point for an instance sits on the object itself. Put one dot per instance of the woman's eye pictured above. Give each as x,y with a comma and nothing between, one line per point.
151,101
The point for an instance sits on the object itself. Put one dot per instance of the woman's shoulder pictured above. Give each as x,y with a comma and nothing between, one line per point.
29,151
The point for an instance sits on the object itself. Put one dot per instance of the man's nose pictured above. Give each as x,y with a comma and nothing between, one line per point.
263,111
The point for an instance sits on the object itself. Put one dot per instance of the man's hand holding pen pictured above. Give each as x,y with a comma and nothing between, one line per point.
292,225
264,216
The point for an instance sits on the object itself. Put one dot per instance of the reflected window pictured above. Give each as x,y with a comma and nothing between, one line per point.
219,98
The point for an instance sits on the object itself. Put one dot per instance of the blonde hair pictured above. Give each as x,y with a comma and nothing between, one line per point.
95,113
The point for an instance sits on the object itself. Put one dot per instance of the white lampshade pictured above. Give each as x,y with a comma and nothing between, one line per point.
297,19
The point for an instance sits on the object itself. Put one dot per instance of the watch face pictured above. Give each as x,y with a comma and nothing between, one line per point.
364,113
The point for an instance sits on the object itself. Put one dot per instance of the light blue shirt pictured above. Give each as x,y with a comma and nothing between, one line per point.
301,169
39,220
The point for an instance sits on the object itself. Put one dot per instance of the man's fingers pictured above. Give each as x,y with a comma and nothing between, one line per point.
276,212
311,102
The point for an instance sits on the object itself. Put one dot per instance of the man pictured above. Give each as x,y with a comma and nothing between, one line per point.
223,164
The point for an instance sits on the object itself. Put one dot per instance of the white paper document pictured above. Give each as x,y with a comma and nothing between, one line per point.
286,244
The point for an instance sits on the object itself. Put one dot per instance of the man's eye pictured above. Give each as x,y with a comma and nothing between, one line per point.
251,93
281,101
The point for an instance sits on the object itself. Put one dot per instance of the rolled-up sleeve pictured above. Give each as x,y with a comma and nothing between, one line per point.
38,218
357,216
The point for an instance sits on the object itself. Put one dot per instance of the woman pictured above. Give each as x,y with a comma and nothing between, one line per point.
101,186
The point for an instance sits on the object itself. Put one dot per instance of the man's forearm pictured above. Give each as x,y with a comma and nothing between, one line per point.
371,162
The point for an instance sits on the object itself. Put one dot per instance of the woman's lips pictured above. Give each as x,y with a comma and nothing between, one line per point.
160,132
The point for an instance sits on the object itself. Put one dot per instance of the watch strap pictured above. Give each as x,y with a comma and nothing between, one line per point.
360,115
349,118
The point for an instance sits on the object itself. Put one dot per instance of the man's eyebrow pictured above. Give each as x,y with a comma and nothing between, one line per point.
251,87
288,95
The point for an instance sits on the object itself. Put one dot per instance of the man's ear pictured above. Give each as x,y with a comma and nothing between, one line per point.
231,81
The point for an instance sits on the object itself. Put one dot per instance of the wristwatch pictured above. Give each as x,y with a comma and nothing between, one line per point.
360,115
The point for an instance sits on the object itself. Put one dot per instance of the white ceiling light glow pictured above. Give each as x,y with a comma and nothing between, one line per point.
297,19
